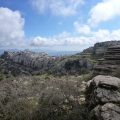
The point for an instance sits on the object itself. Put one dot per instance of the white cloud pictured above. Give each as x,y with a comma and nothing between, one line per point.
57,7
63,39
11,28
82,28
104,11
69,40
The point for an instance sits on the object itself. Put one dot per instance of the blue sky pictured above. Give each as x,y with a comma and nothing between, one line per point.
58,24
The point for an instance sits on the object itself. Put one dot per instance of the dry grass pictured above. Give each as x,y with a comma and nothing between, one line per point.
42,98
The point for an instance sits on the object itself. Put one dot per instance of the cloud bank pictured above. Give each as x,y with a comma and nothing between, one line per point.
104,11
69,40
11,28
12,24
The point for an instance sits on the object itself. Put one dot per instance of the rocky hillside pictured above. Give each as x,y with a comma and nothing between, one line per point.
27,62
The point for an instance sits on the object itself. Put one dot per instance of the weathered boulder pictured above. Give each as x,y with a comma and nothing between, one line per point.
103,98
109,111
103,89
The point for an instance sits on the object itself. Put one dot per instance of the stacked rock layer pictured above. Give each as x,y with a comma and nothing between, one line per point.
110,63
103,98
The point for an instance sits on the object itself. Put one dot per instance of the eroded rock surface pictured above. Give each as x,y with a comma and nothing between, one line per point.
27,62
103,98
109,111
110,64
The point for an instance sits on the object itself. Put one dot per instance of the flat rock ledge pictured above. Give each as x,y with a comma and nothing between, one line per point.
103,98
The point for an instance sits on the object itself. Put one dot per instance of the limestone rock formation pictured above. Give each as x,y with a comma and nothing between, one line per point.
109,111
27,62
100,48
28,58
72,66
110,64
103,98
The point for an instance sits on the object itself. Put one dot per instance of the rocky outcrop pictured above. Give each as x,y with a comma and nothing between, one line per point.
29,59
103,98
100,48
110,64
27,62
72,66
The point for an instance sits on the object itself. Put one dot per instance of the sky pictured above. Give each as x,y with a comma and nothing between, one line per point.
58,25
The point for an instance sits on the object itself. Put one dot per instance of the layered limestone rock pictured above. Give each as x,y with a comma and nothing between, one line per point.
100,48
110,64
28,58
27,62
103,98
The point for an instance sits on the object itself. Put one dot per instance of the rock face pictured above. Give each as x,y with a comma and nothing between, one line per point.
27,62
103,98
111,62
29,59
72,66
100,48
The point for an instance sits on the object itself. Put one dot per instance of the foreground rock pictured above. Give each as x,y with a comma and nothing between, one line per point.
108,111
103,98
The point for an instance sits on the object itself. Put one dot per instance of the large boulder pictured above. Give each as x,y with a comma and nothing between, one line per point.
109,111
103,89
103,98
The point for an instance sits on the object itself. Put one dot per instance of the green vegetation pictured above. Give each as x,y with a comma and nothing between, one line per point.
2,75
